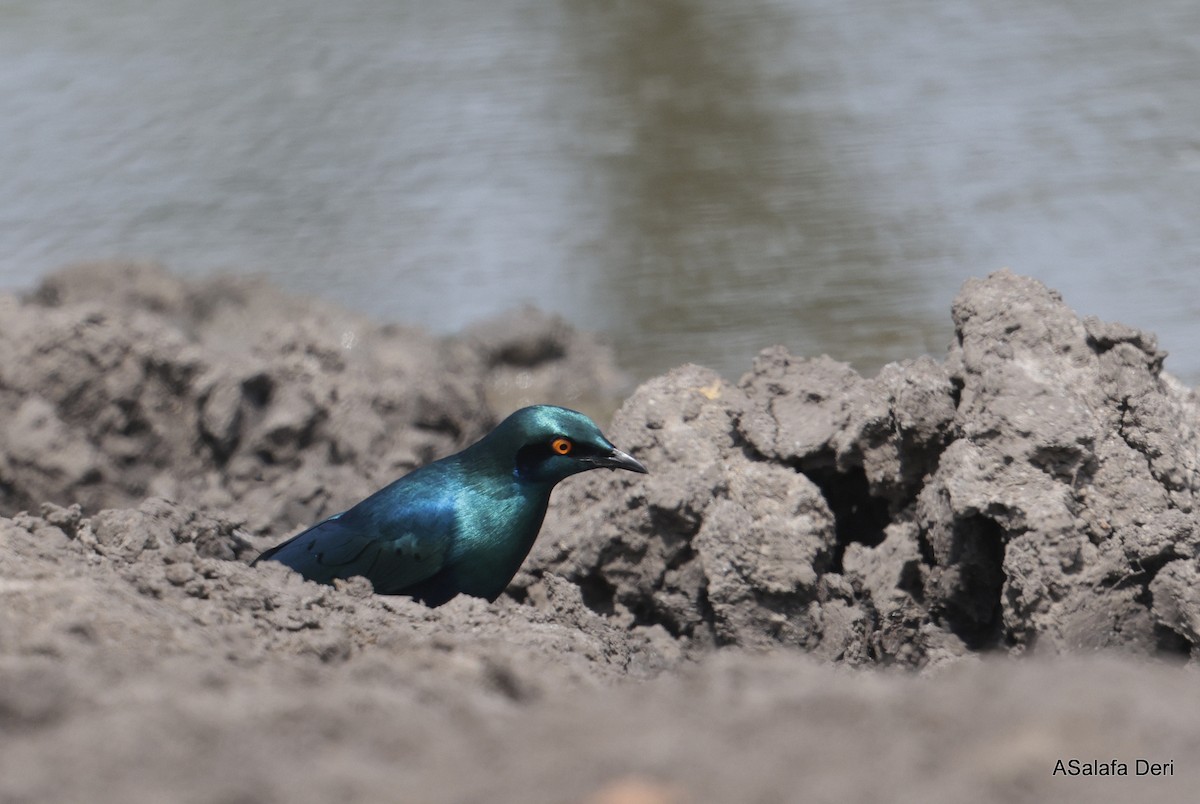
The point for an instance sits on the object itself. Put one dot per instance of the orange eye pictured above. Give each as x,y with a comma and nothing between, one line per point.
562,446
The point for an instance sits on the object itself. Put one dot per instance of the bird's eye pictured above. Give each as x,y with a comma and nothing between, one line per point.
562,446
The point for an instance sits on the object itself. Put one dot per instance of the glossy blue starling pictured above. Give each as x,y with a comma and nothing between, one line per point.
461,525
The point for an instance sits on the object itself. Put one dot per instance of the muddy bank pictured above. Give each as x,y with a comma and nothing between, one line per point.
682,636
120,381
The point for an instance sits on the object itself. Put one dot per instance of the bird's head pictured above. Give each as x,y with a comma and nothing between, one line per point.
551,443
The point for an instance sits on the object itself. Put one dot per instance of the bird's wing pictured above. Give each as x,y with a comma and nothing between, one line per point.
394,552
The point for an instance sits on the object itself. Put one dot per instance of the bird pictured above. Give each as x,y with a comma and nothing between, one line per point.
460,525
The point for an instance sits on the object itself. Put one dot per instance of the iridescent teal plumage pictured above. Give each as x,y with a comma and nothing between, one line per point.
462,524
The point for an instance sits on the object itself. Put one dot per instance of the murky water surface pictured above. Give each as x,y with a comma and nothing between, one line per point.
699,179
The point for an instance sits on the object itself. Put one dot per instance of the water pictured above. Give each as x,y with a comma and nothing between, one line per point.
697,179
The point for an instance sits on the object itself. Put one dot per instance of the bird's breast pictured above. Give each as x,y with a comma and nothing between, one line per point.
495,534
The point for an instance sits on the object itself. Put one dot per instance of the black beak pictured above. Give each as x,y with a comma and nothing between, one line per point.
621,460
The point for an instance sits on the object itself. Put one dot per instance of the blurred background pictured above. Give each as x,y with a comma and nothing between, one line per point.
697,179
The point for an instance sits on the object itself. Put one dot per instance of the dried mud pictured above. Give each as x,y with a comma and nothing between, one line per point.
1016,523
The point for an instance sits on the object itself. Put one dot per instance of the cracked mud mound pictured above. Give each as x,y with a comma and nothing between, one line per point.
1036,491
678,637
